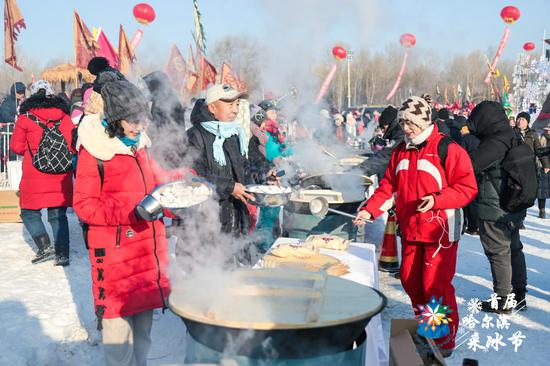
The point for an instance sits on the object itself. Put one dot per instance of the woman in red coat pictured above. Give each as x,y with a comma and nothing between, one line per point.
128,255
428,189
40,190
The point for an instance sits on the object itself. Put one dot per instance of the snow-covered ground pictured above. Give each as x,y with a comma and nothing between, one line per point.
46,312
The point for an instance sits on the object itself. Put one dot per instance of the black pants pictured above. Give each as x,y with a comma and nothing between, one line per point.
504,250
470,214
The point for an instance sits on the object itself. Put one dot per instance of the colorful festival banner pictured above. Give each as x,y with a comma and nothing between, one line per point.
192,75
85,47
501,46
399,77
136,39
176,69
326,83
126,56
227,77
106,49
207,72
13,22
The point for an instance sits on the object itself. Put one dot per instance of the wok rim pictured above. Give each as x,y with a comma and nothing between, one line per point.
282,326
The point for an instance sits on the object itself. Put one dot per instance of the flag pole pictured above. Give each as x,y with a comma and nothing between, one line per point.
543,42
74,46
14,89
201,67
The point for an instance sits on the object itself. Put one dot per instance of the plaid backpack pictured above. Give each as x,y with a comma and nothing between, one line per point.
53,155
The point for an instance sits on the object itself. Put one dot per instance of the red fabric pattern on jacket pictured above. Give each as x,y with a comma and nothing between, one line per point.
413,174
129,256
40,190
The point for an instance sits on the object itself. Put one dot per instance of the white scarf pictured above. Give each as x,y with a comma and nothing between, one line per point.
420,138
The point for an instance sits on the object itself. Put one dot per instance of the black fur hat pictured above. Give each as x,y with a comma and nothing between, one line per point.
97,65
524,115
388,115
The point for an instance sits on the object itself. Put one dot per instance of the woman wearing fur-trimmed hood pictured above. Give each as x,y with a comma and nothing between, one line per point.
37,189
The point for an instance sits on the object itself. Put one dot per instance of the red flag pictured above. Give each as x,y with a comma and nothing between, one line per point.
227,77
176,69
126,56
207,72
192,75
243,86
85,47
13,22
106,49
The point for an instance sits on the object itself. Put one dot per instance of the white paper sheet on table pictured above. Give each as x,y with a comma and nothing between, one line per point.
361,259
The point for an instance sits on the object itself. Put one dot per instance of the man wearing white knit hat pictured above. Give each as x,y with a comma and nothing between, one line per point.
429,179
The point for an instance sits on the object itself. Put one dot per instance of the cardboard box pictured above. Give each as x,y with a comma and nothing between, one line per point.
9,206
405,348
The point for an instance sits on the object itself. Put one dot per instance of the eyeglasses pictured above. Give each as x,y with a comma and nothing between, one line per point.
138,126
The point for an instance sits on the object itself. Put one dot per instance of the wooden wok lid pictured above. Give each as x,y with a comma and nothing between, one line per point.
264,299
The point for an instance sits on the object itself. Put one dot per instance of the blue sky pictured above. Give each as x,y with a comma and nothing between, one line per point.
309,26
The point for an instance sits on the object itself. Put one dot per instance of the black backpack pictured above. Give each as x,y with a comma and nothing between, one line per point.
53,155
521,183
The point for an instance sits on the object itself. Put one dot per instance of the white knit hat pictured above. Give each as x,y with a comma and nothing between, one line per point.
42,84
416,110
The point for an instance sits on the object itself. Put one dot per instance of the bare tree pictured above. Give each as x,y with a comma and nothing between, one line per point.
243,54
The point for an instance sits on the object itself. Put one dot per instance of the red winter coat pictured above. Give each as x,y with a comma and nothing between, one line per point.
415,172
128,256
40,190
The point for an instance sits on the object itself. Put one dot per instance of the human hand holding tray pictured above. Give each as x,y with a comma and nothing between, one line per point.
175,197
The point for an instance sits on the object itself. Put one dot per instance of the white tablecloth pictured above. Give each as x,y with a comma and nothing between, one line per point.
361,259
15,172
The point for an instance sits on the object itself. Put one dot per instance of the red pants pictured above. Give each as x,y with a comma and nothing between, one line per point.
423,277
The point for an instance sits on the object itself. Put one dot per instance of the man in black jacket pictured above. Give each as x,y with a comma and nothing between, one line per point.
218,148
499,229
8,107
461,134
393,134
8,112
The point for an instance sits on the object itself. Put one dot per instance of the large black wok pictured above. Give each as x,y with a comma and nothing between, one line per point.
341,324
352,186
287,343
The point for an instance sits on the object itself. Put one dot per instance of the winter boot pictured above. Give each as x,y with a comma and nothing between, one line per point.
520,298
61,261
486,306
446,352
45,249
61,256
542,213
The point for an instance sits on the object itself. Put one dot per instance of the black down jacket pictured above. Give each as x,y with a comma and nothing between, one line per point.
234,215
488,122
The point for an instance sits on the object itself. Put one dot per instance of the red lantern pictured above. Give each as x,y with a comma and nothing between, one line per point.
529,46
510,14
339,52
144,13
407,40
